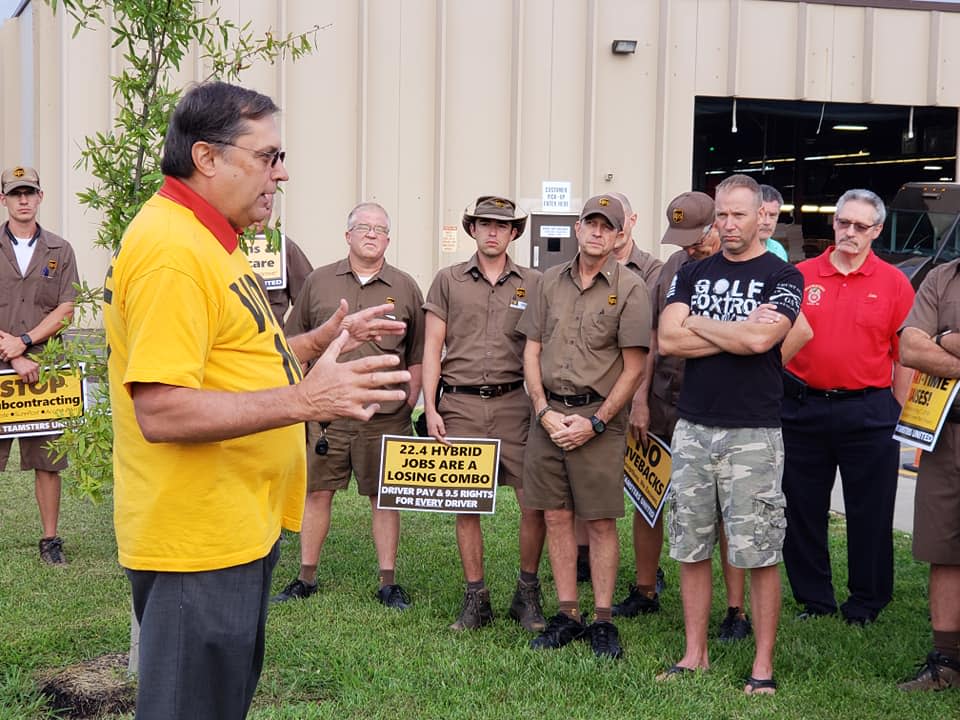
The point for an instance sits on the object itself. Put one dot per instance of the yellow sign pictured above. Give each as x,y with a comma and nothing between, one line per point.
646,475
424,474
40,408
269,264
926,410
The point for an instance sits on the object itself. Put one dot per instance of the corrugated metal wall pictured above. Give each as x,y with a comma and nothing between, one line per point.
424,104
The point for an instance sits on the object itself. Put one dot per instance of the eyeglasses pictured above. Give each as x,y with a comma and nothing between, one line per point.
364,229
703,237
844,224
272,157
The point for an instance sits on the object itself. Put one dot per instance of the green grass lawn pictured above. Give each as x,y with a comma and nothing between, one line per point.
341,655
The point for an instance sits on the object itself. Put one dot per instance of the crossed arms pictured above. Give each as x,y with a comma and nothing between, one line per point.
694,336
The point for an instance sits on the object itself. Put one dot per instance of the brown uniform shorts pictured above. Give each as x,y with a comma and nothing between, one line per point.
588,480
353,445
936,506
33,454
506,417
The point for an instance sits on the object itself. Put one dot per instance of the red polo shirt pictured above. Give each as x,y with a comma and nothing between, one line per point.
855,319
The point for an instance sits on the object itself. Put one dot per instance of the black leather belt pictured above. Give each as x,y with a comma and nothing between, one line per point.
484,391
840,394
795,387
575,400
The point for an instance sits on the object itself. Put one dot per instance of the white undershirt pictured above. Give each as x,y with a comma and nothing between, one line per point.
364,279
23,249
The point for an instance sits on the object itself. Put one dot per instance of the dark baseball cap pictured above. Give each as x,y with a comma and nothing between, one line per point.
687,216
606,205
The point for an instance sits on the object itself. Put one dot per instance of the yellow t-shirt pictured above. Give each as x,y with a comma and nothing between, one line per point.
180,309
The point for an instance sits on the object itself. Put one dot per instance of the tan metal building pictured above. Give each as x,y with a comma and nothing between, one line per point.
422,105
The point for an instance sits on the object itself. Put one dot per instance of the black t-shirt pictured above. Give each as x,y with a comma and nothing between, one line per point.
727,390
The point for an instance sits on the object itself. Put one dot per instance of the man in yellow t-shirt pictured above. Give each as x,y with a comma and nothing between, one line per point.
208,398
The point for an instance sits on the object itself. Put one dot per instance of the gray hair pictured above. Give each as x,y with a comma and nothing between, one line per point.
768,193
352,217
867,196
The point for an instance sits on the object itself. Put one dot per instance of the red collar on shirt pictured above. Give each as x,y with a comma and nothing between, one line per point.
209,216
827,268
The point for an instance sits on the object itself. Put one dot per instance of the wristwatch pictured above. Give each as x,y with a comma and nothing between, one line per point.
938,338
26,340
598,425
546,409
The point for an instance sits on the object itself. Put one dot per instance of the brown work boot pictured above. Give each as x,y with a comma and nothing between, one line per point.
476,611
527,608
937,672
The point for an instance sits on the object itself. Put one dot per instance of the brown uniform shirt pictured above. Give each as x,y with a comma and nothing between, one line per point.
667,371
936,510
483,345
582,329
26,299
645,265
297,267
936,306
321,296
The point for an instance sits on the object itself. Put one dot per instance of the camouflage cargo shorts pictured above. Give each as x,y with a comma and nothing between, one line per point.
729,473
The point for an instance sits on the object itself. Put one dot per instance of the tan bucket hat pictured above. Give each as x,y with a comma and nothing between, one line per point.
491,207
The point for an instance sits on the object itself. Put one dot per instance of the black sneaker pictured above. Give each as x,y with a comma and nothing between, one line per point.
476,611
661,581
583,568
51,551
394,596
637,603
604,639
734,627
296,590
561,630
527,607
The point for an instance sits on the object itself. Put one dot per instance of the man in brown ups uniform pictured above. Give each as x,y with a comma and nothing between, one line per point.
348,446
37,273
472,310
587,331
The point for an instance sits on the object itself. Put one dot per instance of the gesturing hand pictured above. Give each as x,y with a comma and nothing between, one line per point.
351,389
366,325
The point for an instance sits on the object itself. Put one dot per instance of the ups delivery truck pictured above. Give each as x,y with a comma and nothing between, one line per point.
922,229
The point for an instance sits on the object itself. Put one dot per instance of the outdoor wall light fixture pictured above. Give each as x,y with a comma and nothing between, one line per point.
624,47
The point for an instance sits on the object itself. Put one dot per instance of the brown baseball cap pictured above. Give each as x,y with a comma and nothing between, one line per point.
687,216
491,207
609,206
18,177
